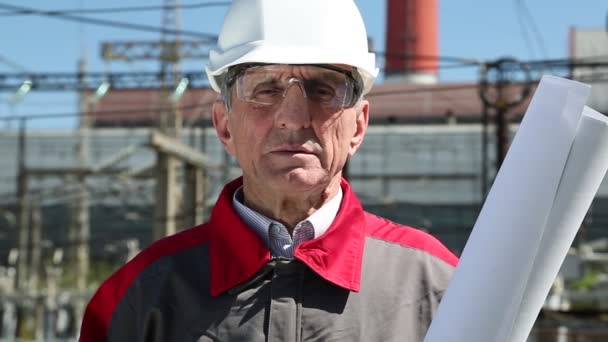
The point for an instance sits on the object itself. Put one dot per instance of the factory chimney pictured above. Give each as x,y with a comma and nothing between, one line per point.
412,28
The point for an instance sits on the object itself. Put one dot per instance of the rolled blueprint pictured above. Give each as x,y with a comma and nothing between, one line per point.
585,169
484,298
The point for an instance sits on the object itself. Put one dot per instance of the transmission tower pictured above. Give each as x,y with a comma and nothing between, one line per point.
169,51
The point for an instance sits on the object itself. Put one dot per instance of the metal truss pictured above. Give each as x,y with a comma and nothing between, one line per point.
90,81
169,51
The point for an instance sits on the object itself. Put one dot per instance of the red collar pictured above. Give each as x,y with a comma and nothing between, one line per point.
236,253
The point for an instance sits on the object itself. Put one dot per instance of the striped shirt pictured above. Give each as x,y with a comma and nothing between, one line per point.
274,234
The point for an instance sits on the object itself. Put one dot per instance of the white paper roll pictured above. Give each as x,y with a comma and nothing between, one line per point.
585,169
483,299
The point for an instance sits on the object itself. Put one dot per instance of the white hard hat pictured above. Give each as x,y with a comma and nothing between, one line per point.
293,32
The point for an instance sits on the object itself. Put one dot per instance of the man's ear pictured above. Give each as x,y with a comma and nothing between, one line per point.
361,123
220,122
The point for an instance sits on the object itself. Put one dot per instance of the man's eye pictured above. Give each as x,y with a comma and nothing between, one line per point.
322,91
267,91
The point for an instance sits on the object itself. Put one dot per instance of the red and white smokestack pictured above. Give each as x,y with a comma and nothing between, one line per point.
412,46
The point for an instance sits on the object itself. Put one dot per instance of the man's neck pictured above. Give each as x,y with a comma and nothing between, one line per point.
289,208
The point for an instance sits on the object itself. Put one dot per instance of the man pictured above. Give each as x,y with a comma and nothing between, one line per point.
288,253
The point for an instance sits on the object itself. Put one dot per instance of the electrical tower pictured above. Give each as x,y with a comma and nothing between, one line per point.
169,51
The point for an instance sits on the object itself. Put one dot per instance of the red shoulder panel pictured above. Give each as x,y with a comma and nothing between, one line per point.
100,309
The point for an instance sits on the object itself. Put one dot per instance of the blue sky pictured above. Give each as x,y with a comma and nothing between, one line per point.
479,29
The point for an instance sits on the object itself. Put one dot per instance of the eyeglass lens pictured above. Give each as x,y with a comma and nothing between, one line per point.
268,85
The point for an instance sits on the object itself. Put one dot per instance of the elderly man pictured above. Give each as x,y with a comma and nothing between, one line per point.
288,253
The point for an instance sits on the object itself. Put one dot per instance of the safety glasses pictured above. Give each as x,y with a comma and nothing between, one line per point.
265,86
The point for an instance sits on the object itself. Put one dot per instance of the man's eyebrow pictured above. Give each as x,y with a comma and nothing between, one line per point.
329,76
263,77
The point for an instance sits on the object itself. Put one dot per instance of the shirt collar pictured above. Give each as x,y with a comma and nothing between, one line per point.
236,253
320,219
254,220
324,216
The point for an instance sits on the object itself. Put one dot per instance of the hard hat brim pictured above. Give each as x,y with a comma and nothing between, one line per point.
258,53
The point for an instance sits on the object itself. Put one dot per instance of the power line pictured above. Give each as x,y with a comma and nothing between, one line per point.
539,38
439,67
157,110
422,90
585,62
54,81
562,63
112,23
116,10
451,59
60,194
523,28
12,64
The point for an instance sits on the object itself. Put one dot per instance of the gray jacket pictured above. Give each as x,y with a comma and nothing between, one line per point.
365,279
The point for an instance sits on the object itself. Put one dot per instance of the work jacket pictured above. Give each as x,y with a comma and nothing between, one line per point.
365,279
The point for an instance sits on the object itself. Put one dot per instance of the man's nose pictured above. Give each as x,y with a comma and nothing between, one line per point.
294,111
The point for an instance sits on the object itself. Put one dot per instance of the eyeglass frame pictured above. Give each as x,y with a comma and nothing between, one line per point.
234,72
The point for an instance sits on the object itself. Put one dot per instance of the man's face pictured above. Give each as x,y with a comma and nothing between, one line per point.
286,132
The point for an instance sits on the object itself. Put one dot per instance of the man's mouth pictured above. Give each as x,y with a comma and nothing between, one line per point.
294,149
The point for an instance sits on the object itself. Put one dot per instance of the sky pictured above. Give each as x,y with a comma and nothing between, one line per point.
473,29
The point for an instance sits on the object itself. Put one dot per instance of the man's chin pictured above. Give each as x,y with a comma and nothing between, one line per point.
300,179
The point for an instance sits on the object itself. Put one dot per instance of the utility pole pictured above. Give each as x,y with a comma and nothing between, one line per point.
495,78
36,229
53,273
167,200
81,218
194,195
34,271
23,215
484,143
197,164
